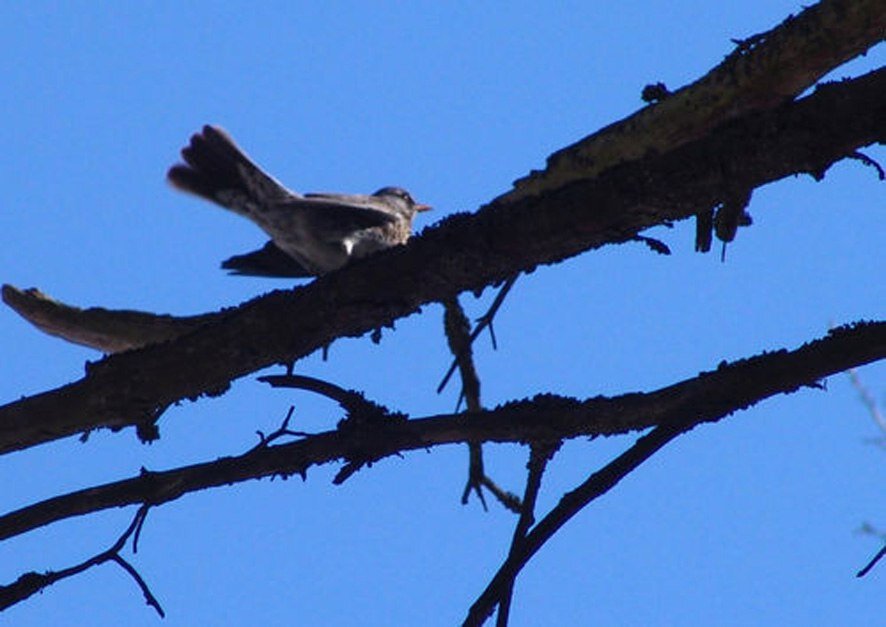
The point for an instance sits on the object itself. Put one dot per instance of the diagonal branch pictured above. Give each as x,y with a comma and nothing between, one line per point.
499,589
539,455
706,398
465,252
763,71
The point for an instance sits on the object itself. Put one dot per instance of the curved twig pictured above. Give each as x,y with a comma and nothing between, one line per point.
31,583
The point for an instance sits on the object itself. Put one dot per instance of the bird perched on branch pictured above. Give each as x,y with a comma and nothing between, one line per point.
311,234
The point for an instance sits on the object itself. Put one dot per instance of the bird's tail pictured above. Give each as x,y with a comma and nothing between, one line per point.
269,261
216,169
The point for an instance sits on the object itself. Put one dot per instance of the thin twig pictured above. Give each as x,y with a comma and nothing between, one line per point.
349,400
539,456
31,583
867,398
593,487
864,571
483,322
860,156
457,327
282,431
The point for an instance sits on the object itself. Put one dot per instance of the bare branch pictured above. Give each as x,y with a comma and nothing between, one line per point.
764,71
706,398
573,502
867,399
539,455
456,255
31,583
457,329
870,565
351,401
484,322
107,330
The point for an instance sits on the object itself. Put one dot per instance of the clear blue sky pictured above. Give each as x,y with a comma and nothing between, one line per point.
750,521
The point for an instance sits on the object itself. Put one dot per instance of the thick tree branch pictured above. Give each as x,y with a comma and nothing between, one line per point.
545,418
764,71
464,252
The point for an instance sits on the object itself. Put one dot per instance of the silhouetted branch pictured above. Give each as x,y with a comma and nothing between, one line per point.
870,565
596,485
351,401
764,71
707,398
483,322
31,583
456,256
539,455
860,156
457,327
280,432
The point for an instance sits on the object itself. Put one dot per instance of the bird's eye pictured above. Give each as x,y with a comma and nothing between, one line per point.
402,193
399,192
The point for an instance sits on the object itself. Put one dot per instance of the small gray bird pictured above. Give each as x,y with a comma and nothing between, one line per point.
311,234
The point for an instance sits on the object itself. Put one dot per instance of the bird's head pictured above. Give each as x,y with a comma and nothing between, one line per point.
399,197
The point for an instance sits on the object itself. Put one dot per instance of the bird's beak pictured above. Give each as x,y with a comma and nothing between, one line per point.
420,207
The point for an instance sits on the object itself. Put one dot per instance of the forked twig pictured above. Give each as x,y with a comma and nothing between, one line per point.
483,322
593,487
31,583
456,327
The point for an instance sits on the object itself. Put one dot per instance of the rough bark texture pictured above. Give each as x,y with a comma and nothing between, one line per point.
545,418
764,71
464,252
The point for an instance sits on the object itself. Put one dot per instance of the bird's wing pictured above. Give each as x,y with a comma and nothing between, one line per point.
268,261
334,216
216,169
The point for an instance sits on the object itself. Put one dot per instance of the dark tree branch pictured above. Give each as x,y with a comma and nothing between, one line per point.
282,431
351,401
860,156
870,565
764,71
457,327
464,252
706,398
539,455
31,583
457,331
484,322
573,502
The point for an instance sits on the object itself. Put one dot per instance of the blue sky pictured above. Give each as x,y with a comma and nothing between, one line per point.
750,521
